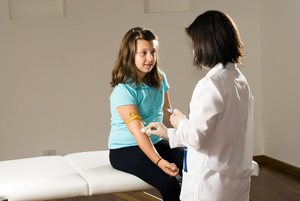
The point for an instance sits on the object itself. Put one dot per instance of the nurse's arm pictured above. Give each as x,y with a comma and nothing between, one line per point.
143,140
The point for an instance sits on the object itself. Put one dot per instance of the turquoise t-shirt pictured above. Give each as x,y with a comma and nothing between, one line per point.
149,102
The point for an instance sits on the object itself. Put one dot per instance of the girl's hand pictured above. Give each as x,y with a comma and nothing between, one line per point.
169,168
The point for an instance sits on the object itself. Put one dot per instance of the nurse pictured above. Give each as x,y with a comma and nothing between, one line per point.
218,133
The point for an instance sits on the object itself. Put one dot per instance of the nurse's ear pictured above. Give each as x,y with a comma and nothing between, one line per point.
192,45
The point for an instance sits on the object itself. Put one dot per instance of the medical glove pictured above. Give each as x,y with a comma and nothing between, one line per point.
176,117
157,128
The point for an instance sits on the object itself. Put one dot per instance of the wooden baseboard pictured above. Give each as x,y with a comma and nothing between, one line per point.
261,159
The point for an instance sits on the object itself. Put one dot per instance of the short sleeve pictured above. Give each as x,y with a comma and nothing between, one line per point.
123,94
165,83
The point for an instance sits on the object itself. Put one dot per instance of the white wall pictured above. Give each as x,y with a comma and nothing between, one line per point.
280,89
55,73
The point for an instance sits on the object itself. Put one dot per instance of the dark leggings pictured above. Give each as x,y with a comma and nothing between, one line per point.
134,161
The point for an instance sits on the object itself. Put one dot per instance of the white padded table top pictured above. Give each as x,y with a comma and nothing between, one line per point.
255,171
101,176
40,178
78,174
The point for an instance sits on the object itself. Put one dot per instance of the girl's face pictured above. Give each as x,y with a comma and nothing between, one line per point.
145,57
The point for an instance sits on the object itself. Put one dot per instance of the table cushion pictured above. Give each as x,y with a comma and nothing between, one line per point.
255,171
101,176
40,178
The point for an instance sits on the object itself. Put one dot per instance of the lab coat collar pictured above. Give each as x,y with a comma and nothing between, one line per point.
220,66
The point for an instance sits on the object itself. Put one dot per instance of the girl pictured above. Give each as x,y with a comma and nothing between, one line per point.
218,133
139,96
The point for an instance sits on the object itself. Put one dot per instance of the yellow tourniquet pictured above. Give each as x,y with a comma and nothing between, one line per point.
133,118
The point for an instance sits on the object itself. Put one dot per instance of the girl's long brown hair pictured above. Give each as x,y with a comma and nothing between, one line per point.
125,68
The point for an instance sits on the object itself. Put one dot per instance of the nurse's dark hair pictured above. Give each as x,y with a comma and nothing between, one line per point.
215,39
125,68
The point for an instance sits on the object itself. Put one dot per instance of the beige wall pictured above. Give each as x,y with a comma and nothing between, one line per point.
280,83
55,73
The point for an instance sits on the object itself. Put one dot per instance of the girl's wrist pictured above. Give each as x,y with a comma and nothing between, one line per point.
158,161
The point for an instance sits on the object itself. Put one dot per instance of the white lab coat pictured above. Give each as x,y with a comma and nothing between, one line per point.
218,138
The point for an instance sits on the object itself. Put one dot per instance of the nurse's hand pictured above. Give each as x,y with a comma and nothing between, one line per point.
176,117
169,168
157,128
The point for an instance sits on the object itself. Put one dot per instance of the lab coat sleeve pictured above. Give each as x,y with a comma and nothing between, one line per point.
206,105
174,141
